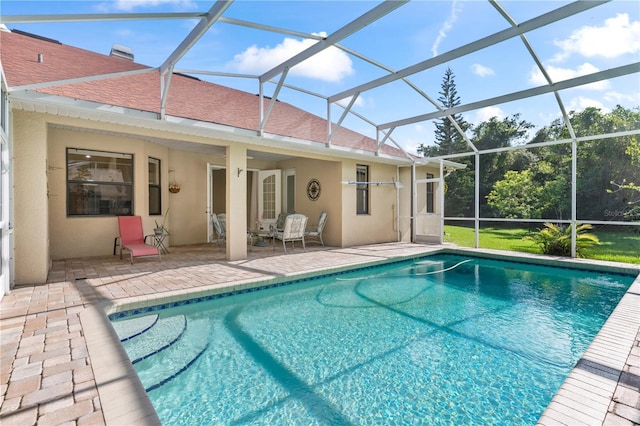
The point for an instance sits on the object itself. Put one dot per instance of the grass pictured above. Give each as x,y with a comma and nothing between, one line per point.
615,246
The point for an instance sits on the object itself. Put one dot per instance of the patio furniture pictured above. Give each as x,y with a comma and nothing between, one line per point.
316,232
280,221
219,222
132,238
294,230
259,237
159,240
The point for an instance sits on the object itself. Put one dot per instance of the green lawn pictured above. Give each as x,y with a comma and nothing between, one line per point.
614,246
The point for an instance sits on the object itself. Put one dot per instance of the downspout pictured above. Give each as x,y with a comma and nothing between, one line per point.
441,200
477,200
574,195
397,204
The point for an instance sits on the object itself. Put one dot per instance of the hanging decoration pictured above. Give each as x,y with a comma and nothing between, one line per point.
313,189
174,187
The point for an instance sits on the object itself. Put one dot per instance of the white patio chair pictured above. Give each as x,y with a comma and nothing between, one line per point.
316,232
294,230
219,224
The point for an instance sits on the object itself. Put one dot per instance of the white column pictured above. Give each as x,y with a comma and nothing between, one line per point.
236,202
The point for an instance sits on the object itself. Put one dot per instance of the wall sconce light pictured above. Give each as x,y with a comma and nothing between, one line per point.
239,171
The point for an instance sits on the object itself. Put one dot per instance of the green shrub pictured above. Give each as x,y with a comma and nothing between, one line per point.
555,240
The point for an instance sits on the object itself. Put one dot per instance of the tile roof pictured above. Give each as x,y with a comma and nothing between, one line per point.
188,97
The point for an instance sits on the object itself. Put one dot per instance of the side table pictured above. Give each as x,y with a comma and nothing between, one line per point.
261,236
158,241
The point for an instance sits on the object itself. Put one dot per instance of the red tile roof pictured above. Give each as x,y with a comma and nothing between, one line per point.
188,97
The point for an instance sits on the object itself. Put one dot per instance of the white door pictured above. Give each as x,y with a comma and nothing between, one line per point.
215,182
269,197
428,210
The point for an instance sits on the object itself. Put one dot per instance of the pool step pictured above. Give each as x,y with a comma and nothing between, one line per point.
164,333
165,365
130,328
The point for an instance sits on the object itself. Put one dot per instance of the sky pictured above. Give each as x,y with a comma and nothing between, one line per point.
601,38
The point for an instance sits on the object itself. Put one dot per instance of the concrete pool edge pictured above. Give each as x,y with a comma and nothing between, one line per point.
587,393
120,387
122,396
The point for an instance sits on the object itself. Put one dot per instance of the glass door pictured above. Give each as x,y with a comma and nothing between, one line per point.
269,197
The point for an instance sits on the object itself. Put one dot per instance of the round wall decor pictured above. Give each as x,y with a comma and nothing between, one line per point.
313,189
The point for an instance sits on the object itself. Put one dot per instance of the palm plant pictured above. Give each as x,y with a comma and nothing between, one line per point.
555,240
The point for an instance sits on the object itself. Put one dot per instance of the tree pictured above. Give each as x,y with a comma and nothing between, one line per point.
448,139
495,133
517,196
630,188
601,163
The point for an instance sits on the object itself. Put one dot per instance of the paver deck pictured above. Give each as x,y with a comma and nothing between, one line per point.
60,364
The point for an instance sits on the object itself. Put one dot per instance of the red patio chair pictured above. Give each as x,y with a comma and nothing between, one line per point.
132,238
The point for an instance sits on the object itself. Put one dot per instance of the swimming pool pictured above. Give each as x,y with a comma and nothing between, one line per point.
446,339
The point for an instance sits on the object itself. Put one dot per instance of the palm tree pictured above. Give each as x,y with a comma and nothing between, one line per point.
556,241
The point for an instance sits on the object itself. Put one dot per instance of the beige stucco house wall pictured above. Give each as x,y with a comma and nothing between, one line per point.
31,224
44,232
379,225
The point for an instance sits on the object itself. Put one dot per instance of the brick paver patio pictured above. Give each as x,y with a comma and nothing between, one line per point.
47,375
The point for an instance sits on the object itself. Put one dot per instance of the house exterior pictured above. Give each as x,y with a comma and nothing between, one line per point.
85,138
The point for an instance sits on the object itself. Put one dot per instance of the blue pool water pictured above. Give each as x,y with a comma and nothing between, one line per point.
444,339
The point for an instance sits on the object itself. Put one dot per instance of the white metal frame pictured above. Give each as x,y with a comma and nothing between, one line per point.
6,213
383,130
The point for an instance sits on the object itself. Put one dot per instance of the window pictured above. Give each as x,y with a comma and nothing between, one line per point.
155,200
430,204
269,197
99,183
362,189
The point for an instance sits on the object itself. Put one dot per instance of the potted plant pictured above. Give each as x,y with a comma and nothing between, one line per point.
160,226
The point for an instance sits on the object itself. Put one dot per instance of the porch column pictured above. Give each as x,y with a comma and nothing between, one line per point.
236,202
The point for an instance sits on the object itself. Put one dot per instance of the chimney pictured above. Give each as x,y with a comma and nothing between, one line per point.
123,52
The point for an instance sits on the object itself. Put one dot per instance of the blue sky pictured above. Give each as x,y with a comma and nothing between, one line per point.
598,39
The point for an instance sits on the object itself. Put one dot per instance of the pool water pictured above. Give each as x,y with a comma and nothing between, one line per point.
444,339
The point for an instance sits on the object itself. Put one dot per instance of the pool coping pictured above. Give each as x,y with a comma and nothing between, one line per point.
584,396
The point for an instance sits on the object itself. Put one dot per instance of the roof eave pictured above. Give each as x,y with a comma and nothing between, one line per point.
68,107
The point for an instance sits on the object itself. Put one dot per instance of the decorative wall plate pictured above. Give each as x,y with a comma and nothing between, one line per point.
313,189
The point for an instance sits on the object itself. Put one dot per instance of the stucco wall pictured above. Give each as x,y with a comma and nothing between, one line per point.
31,222
94,236
405,204
43,230
328,174
187,212
379,225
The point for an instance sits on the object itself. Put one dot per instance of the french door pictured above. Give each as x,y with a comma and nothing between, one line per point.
269,197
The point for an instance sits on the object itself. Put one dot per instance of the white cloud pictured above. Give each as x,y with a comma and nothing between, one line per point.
560,74
128,5
632,97
616,37
410,144
581,102
481,70
360,101
446,26
331,64
487,113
